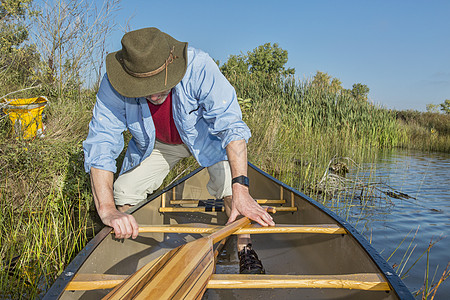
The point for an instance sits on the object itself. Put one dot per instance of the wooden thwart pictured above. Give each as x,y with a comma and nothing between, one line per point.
320,228
213,209
373,282
363,281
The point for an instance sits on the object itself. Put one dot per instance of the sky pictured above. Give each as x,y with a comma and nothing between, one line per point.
399,49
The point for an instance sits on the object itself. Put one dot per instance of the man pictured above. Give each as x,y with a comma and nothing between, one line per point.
175,103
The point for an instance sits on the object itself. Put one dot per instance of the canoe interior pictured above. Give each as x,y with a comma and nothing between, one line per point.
284,254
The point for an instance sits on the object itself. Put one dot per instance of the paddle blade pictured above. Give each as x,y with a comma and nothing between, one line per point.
182,273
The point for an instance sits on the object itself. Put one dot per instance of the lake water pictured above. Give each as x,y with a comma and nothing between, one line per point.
386,220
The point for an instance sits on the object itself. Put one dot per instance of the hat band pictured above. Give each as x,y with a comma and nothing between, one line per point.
163,67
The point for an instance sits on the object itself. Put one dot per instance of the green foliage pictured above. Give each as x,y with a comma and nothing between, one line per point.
266,59
269,59
336,85
432,108
298,126
245,104
236,64
445,106
429,131
322,80
46,208
428,120
12,29
17,58
360,92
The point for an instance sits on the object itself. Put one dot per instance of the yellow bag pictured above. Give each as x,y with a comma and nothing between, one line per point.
26,116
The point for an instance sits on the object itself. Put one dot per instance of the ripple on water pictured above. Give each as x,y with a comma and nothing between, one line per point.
425,177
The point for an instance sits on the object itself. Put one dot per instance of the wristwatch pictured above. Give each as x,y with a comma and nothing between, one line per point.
241,180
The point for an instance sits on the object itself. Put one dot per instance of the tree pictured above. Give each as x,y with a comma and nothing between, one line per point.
324,81
236,64
269,59
360,91
336,85
265,59
12,30
432,108
71,38
445,107
17,59
321,80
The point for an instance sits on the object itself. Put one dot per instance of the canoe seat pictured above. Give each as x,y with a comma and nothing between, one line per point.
215,205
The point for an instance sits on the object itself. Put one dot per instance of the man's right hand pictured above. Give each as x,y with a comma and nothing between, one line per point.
124,225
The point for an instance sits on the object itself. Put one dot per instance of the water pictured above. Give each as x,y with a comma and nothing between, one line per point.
386,221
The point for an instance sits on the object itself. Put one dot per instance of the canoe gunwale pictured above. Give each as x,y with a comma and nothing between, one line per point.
69,272
397,285
391,276
60,284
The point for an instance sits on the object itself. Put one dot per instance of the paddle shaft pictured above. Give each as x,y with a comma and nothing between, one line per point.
182,273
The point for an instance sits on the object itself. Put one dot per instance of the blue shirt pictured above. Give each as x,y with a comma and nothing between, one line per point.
205,110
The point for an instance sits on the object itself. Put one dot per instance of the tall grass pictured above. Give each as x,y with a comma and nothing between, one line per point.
37,242
297,128
426,131
47,213
46,210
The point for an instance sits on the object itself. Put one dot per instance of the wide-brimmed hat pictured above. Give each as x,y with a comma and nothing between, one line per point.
150,62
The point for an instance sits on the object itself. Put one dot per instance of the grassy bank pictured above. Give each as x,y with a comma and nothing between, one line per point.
47,214
298,128
426,131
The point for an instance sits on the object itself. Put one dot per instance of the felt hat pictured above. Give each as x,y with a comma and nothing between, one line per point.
150,62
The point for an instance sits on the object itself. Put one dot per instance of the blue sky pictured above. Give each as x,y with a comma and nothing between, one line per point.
399,49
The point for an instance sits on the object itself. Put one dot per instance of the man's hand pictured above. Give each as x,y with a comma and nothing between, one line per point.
124,225
244,204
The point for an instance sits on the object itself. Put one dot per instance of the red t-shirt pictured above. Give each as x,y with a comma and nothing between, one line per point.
166,131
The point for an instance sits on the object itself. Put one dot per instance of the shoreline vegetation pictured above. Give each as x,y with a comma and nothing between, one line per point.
300,131
47,212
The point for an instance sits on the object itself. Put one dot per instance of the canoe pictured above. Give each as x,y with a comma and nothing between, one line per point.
310,254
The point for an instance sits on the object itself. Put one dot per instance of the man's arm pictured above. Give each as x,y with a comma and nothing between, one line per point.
124,224
243,203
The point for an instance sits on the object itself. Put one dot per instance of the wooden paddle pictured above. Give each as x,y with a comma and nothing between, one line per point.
181,273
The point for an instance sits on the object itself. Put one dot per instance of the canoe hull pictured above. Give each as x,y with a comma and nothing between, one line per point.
283,254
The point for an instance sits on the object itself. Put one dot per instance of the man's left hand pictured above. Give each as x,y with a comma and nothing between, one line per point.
244,204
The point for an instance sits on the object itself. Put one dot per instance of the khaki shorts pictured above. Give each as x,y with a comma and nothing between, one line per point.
133,186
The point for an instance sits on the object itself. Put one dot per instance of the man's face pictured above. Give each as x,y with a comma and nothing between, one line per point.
159,98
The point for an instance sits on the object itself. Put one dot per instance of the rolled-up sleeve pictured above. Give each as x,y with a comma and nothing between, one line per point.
218,99
105,139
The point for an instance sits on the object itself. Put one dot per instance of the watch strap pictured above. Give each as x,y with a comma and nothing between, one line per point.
241,180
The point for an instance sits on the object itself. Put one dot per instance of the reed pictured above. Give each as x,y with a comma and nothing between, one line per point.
38,241
426,131
430,282
47,215
297,128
